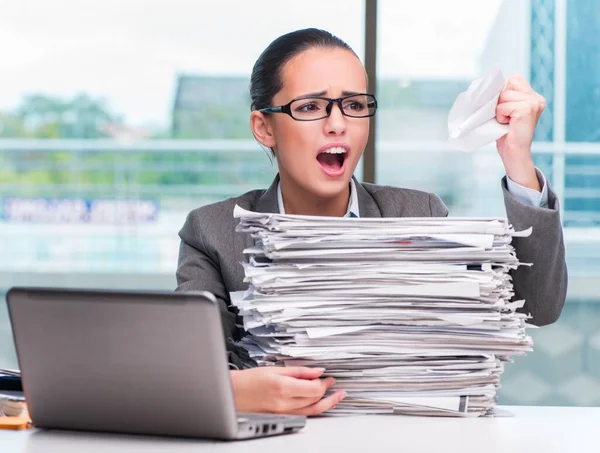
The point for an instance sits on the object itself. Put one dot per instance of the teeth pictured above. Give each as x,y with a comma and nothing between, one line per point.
336,150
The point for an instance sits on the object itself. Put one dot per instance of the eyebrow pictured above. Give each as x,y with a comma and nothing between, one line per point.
324,92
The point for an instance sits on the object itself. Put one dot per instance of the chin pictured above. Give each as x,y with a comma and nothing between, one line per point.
330,188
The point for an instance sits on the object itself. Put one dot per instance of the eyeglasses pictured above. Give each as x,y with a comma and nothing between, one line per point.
316,107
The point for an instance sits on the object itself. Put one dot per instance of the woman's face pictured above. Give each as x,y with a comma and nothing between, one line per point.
301,147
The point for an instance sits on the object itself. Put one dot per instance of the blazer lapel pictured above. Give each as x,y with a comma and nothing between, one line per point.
366,203
268,200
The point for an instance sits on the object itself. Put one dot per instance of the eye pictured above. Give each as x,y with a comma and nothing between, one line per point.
308,107
354,105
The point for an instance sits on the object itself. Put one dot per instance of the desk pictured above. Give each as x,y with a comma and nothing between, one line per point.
531,430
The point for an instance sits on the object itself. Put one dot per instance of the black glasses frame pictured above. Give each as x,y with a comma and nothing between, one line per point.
287,107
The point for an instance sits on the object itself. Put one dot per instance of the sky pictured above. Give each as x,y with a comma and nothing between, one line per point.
129,52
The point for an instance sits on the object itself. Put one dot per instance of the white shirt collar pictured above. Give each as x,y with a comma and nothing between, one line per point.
352,210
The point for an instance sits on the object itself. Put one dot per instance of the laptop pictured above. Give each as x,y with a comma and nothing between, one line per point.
130,362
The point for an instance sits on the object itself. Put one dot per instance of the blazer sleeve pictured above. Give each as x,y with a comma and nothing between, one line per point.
544,284
198,270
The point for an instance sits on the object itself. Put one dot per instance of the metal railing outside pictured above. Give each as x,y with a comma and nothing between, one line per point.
180,175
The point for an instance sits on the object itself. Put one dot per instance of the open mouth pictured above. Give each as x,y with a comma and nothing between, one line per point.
333,160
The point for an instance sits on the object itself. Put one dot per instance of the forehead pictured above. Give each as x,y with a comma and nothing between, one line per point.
322,69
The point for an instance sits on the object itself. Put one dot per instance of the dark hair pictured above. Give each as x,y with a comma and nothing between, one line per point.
266,80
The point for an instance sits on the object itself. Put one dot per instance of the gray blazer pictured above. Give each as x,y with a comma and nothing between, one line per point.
211,251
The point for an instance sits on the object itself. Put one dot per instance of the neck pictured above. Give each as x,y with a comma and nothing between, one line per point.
297,200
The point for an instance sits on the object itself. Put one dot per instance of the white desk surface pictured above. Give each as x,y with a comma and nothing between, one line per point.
531,430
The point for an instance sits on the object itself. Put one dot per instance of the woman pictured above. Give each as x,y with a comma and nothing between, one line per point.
311,108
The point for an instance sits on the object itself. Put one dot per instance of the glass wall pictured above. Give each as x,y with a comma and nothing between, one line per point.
118,118
428,53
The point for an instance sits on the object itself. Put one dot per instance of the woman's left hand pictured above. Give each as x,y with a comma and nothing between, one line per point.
520,107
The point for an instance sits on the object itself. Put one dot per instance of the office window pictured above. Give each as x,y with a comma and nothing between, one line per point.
118,118
428,53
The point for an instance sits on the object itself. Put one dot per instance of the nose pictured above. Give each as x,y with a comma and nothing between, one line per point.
335,123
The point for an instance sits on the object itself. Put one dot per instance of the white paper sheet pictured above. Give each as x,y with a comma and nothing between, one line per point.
472,119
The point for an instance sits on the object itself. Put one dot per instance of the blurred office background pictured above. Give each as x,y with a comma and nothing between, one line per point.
119,117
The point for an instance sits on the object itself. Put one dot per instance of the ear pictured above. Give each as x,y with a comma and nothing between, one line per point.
261,129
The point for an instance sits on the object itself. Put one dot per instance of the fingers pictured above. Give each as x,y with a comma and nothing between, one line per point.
295,404
517,96
299,372
322,405
300,388
513,96
301,402
518,89
291,394
518,109
505,111
518,83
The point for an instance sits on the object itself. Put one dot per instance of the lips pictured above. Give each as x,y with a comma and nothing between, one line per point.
332,159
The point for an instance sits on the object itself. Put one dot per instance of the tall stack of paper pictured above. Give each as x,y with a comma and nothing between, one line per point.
10,372
12,401
410,315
